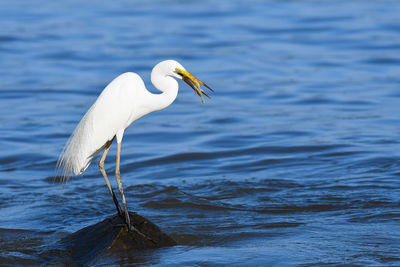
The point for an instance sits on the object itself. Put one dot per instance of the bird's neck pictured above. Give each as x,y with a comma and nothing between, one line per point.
169,88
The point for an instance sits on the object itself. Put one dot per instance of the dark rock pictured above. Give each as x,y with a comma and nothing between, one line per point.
112,236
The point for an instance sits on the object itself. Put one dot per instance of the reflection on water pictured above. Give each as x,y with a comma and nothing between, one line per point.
294,160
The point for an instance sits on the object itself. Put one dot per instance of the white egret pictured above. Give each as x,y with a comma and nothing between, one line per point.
123,101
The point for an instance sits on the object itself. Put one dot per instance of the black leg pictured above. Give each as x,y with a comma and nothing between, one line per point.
103,172
121,190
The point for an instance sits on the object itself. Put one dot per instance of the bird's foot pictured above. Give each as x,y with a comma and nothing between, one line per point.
133,229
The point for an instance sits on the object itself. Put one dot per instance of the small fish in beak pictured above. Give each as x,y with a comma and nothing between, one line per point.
193,82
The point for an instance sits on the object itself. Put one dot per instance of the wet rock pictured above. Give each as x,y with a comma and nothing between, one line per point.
112,236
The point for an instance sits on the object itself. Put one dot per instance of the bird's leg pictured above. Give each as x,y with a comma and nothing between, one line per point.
121,190
103,171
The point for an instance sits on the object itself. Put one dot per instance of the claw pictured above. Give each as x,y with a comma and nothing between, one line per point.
131,228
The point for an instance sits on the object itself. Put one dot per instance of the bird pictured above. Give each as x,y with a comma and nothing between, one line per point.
124,100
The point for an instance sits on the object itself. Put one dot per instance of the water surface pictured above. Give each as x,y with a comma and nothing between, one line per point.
294,161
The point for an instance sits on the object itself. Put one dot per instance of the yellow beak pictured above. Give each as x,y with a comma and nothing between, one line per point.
193,82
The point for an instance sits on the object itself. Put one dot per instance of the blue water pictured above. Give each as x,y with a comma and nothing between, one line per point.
295,160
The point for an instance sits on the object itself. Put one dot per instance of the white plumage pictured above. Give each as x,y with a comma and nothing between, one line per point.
123,101
114,110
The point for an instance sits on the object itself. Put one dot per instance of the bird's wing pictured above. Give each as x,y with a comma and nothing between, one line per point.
111,112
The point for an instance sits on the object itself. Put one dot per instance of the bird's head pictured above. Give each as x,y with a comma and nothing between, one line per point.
176,70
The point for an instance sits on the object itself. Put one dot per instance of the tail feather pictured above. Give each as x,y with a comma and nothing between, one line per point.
69,162
82,147
75,157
